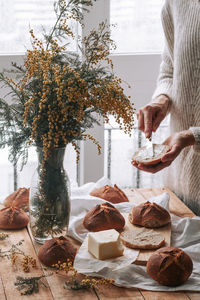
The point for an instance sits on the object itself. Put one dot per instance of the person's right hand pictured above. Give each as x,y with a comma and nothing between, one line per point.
151,115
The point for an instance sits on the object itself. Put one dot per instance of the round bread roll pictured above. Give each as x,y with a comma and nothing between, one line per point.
169,266
150,215
19,198
13,218
110,193
57,250
103,217
144,156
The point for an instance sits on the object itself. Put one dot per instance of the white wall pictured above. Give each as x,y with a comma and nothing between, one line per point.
141,72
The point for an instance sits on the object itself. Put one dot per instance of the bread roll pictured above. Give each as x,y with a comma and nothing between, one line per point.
150,215
110,193
57,249
142,239
169,266
19,198
103,217
13,218
144,156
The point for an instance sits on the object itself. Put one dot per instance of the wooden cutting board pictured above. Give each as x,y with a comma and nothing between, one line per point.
144,255
55,290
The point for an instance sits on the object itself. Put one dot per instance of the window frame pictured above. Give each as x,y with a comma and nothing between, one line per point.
139,70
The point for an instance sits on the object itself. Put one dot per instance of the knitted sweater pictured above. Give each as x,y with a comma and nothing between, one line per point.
179,79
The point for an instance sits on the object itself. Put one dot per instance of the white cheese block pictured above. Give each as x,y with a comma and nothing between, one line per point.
105,244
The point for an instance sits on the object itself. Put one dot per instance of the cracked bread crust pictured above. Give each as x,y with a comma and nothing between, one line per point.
110,193
103,217
57,249
150,215
170,266
13,218
19,198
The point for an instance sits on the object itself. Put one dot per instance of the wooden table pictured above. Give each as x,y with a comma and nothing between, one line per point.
55,290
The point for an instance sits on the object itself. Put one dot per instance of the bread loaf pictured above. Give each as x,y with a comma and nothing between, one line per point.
13,218
169,266
103,217
110,193
150,215
56,250
144,154
19,198
142,239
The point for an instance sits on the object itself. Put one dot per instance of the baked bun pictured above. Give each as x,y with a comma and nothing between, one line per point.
13,218
19,198
144,156
110,193
57,250
150,215
169,266
103,217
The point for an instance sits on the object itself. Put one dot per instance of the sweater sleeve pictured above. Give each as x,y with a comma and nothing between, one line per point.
196,133
165,78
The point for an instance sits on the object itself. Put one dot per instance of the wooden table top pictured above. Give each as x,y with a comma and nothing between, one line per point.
54,284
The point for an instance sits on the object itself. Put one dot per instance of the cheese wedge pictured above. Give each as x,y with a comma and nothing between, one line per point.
105,244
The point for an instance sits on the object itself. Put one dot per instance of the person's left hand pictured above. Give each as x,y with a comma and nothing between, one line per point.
176,142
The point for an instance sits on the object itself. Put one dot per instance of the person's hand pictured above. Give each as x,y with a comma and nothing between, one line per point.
150,116
177,142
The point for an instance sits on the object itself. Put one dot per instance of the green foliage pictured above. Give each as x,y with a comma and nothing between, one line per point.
12,132
30,285
56,92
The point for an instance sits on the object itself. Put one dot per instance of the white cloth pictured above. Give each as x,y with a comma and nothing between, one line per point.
85,263
185,235
82,202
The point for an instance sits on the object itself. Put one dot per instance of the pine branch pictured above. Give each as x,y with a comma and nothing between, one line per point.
3,79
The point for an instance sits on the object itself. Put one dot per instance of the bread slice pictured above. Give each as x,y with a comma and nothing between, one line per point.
142,239
143,154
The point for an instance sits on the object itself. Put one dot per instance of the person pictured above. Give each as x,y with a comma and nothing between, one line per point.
178,93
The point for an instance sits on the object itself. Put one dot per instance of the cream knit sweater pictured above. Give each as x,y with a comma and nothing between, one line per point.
179,78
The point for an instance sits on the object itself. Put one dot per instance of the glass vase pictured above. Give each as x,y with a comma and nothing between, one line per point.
49,203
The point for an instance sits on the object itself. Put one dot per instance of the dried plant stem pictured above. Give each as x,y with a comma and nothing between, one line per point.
95,291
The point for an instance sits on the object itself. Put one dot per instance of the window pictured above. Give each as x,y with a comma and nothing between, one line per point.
138,25
136,62
7,172
138,35
139,38
17,17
